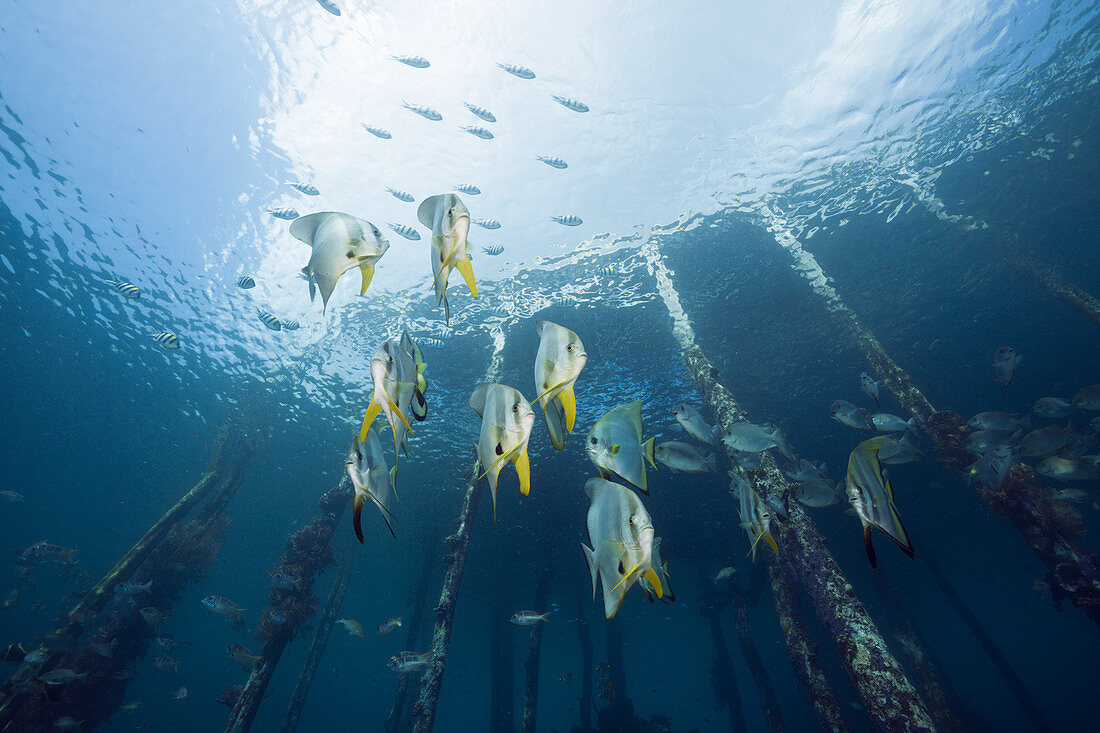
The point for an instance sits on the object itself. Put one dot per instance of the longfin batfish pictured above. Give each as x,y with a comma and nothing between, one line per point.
621,533
394,375
449,220
366,467
560,359
506,422
872,497
615,445
340,242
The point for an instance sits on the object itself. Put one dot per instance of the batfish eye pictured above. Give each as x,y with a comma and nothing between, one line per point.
350,254
569,348
594,441
515,407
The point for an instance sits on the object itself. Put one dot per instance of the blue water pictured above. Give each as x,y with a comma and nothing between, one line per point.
915,154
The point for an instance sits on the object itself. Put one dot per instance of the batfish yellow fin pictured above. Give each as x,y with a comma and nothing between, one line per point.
621,581
397,411
523,470
771,543
372,412
655,581
368,273
752,550
568,401
647,450
467,269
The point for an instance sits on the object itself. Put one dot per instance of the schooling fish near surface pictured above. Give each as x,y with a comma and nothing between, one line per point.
872,497
449,220
340,242
558,364
506,422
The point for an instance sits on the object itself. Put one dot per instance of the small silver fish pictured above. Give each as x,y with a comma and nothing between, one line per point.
352,626
152,615
569,220
245,282
869,386
1053,407
493,250
521,71
417,62
180,694
405,196
468,188
572,104
377,131
388,625
817,492
479,132
306,188
405,231
683,457
165,663
406,662
269,320
1005,362
553,162
481,112
1003,422
1085,468
848,414
884,422
693,423
1045,441
426,112
62,676
167,340
132,588
487,223
1087,398
529,618
1073,495
285,213
66,723
127,290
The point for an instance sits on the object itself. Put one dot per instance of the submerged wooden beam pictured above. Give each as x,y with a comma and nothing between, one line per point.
768,701
418,599
459,542
531,688
1054,283
317,646
307,552
888,697
802,652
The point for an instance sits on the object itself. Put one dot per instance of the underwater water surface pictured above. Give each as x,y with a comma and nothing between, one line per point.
800,191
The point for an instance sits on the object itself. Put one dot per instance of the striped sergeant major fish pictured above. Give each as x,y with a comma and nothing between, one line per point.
487,223
377,131
405,196
269,320
521,71
569,220
468,188
417,62
306,188
291,325
285,213
167,340
246,282
432,341
553,162
572,104
494,249
125,289
479,132
426,112
481,112
405,231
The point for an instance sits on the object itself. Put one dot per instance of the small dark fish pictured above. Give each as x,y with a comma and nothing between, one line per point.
287,214
493,250
246,282
568,220
481,112
553,162
306,188
291,325
1005,362
468,188
417,62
